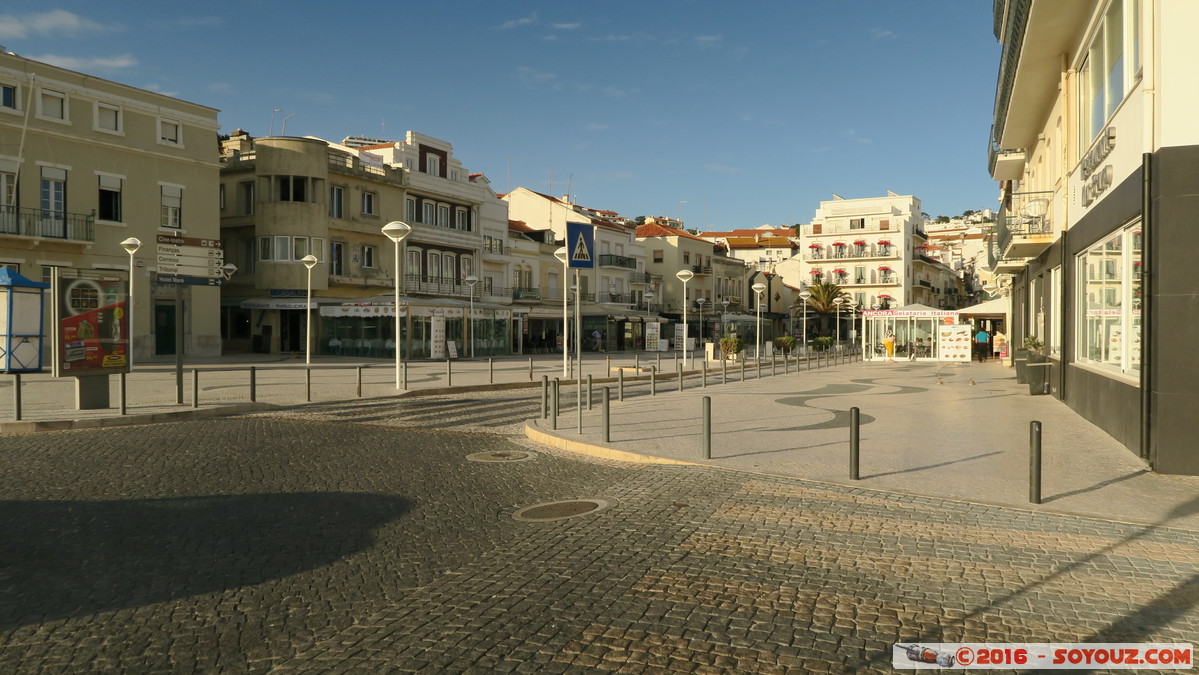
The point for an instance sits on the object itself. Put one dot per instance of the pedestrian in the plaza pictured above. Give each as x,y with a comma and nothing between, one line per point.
597,337
982,344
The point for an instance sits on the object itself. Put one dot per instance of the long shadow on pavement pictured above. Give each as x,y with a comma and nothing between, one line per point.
77,558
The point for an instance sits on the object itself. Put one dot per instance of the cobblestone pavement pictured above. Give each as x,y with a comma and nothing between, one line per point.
337,539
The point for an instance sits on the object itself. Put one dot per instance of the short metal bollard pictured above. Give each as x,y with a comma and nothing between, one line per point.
743,359
358,387
589,391
121,381
449,373
1034,462
724,370
678,369
16,396
308,384
854,425
759,360
253,384
490,371
554,405
404,374
530,368
579,399
545,395
605,417
653,381
658,363
707,427
609,361
195,388
705,375
637,362
773,365
620,384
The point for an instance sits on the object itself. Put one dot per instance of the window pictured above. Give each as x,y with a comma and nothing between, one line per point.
52,105
462,219
454,175
410,210
658,255
429,216
291,188
443,216
168,132
110,198
299,247
8,96
246,194
432,165
109,118
318,248
264,248
449,266
468,266
368,204
282,248
884,224
337,258
370,257
413,266
12,266
336,196
1108,322
8,188
54,202
434,267
247,256
1106,76
172,207
686,258
857,223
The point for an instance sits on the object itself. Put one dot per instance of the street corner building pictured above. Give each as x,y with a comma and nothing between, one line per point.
1096,150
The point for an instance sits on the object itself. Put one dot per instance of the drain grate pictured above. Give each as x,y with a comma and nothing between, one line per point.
574,508
501,456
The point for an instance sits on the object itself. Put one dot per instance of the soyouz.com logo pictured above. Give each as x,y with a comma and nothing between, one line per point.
1043,656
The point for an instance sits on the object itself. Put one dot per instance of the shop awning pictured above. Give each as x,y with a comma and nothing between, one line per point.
814,246
860,242
838,243
884,242
884,268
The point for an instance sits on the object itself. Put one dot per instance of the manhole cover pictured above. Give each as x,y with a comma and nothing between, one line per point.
559,510
501,456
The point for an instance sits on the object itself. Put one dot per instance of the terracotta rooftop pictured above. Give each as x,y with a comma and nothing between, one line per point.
656,230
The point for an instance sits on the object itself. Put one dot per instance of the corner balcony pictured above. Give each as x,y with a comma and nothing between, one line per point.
623,262
1024,228
39,224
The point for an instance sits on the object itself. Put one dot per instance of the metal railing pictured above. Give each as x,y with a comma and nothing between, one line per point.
47,224
610,260
1027,213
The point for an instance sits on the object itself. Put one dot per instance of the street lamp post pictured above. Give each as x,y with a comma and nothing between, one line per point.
396,231
470,282
309,262
561,254
685,276
758,288
838,302
853,319
131,245
805,295
702,335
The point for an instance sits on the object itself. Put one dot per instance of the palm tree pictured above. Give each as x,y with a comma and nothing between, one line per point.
821,302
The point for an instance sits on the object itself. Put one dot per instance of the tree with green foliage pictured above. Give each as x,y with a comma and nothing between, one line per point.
822,303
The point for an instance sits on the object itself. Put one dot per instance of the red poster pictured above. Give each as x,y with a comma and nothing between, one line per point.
93,322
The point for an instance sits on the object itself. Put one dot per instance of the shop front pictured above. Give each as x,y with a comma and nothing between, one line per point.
914,332
367,329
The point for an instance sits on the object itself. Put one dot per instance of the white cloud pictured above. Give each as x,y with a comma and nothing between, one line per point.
613,38
882,34
515,23
527,74
160,90
708,40
88,63
55,22
567,26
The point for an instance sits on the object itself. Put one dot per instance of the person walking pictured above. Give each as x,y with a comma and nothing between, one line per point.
982,344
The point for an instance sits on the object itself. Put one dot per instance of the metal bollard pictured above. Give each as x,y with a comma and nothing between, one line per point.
1034,462
404,374
853,443
658,364
678,369
589,391
545,394
605,418
490,371
786,364
705,369
620,384
358,388
609,360
724,370
743,369
773,365
637,362
195,388
16,396
554,406
253,384
121,382
530,368
653,381
449,373
808,359
579,398
308,384
707,427
759,360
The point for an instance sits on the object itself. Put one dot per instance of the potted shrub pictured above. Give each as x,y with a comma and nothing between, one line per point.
823,343
784,344
1020,358
1037,375
730,347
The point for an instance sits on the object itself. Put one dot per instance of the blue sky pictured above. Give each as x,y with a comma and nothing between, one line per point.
728,114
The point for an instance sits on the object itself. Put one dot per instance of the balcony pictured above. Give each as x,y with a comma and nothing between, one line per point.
644,278
618,298
41,224
610,260
443,287
703,269
1024,226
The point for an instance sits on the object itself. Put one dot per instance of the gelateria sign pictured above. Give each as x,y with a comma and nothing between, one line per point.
1096,180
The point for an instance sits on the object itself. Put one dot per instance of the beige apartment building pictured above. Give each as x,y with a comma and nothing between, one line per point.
86,163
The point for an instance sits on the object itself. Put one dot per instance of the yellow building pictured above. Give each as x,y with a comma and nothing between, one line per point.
85,164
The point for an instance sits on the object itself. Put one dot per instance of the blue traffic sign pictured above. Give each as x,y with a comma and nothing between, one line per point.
580,245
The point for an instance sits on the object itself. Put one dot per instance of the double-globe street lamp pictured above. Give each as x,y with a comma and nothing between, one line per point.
685,276
396,230
758,288
131,245
805,295
838,301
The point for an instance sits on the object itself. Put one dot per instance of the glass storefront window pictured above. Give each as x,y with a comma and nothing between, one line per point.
1109,323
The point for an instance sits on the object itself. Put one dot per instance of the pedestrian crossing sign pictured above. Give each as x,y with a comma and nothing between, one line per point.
580,245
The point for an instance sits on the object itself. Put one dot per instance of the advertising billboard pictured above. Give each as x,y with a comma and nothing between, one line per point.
93,335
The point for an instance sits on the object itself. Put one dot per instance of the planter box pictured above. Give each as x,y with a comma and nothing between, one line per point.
1021,362
1038,374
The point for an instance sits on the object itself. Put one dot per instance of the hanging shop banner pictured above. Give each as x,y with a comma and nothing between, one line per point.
93,328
